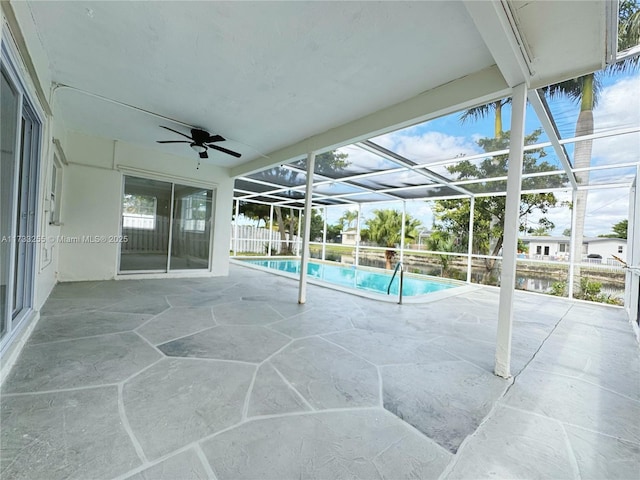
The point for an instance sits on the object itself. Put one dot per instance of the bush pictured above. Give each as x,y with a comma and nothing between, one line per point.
589,290
559,289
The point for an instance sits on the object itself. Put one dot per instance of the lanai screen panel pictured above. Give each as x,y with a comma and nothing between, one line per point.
335,188
407,178
282,176
357,162
435,191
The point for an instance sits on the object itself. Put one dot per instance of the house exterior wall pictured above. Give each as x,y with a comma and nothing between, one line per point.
349,237
607,247
92,197
553,247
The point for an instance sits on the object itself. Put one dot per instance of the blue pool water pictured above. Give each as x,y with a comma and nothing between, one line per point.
351,277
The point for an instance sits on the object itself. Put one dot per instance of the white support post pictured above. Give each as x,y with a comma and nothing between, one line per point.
572,243
299,231
511,228
403,230
324,235
472,208
235,229
270,230
357,259
304,260
632,280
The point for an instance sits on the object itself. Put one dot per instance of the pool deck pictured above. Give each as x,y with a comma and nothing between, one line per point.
229,378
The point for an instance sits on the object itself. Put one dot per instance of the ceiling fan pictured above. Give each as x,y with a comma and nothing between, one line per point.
201,140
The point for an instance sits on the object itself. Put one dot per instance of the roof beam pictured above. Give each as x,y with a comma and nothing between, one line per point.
541,108
476,89
499,29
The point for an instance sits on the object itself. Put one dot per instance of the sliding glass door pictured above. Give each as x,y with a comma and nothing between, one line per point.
191,228
146,218
167,226
20,139
8,136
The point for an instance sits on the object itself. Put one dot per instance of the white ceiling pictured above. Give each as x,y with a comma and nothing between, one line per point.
268,75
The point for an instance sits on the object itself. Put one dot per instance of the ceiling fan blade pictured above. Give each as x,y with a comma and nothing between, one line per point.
215,138
175,131
172,141
224,150
204,154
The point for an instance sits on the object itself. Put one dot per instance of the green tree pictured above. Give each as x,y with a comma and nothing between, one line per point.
348,218
452,216
543,230
441,241
333,232
317,224
255,211
619,230
385,229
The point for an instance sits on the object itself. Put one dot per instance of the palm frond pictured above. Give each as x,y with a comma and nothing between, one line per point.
476,113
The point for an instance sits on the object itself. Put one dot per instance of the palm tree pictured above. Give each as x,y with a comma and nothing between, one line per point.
441,241
347,219
385,229
483,111
585,90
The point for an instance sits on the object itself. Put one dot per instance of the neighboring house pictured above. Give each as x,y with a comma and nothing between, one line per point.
423,237
557,248
349,237
607,247
549,248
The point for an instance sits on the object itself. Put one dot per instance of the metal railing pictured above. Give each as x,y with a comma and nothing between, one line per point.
395,271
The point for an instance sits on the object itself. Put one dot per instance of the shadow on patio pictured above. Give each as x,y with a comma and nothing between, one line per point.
230,378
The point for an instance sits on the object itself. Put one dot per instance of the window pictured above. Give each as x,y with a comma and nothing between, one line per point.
539,250
620,249
546,250
194,211
54,195
563,248
139,211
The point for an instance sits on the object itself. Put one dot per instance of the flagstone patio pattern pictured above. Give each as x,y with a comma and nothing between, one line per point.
229,378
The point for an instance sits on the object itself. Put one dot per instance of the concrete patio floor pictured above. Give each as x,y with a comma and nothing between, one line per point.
229,378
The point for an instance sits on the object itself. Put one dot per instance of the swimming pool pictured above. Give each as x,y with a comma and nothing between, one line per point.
352,277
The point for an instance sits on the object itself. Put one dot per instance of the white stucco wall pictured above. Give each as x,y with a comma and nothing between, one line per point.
92,200
608,247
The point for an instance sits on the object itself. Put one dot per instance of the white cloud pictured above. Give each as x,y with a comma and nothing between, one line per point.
618,107
428,146
605,207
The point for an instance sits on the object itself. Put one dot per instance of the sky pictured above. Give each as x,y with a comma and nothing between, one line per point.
618,107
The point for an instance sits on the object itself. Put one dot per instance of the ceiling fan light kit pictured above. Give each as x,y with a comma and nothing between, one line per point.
201,141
